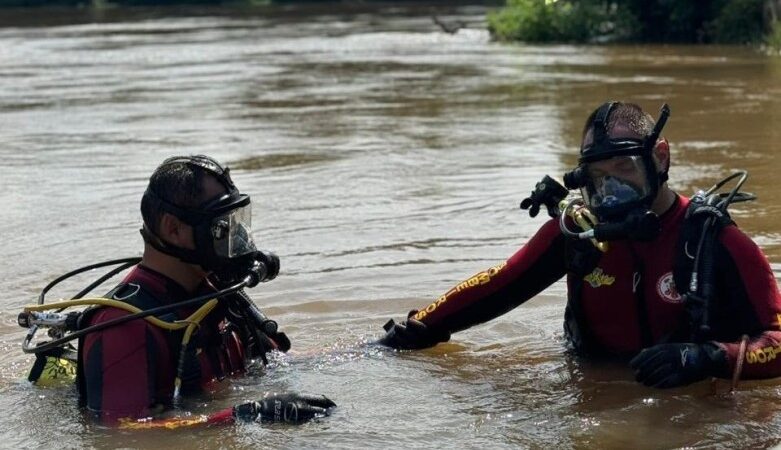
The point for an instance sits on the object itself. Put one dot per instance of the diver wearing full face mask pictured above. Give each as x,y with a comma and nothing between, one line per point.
198,243
216,237
622,176
626,246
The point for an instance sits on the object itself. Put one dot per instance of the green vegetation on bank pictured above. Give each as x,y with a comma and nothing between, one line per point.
681,21
773,39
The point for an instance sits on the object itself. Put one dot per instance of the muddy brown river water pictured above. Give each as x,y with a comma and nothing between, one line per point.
386,160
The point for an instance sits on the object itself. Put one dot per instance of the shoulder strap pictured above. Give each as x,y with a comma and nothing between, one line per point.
135,294
685,251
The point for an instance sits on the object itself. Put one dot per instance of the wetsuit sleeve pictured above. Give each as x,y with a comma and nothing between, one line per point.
752,286
493,292
121,368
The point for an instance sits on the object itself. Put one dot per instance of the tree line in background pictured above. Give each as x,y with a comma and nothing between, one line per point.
575,21
674,21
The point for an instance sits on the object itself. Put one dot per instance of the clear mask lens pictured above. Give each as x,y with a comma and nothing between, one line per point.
615,183
232,233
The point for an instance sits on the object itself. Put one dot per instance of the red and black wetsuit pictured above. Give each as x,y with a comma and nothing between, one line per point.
128,370
628,300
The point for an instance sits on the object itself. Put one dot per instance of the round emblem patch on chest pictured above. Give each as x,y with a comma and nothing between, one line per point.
666,289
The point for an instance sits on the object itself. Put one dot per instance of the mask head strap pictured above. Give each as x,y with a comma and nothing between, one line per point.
600,124
650,139
208,164
194,216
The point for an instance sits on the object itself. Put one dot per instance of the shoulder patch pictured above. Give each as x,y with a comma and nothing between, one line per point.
665,287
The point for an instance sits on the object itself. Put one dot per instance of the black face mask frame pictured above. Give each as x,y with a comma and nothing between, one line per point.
603,147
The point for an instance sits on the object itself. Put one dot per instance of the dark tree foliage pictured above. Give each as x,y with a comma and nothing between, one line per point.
680,21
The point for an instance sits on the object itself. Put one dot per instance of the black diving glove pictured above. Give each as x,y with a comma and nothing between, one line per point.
287,407
411,334
672,365
548,193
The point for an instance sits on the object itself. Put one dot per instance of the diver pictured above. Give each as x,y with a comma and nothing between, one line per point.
198,248
665,282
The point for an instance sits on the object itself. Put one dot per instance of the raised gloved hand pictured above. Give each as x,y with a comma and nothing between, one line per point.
548,193
672,365
411,334
287,407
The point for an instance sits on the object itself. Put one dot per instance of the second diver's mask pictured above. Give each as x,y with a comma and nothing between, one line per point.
617,176
221,226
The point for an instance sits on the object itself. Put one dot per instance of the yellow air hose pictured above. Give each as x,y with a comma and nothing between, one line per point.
194,319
